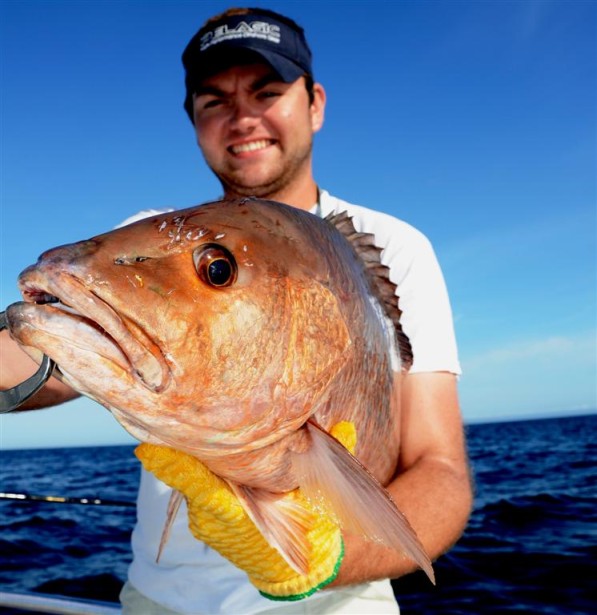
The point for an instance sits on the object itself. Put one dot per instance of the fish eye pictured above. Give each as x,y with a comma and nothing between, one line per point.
215,265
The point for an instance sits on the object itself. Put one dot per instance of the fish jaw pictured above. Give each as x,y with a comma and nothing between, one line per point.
63,318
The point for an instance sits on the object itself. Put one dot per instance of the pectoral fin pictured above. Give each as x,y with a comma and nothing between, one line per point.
332,479
282,520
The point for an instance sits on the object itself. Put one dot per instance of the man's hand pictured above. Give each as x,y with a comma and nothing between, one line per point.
16,366
217,518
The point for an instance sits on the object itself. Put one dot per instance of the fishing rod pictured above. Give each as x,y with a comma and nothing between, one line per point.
59,499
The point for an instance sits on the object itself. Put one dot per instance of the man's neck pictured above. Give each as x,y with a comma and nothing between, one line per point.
303,198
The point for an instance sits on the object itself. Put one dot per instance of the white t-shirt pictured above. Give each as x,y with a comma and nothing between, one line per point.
191,578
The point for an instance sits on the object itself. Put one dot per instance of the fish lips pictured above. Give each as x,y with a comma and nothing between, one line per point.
65,320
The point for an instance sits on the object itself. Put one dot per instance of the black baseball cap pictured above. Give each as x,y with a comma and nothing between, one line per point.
257,35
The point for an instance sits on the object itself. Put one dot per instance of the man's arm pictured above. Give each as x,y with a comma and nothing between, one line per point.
432,488
16,366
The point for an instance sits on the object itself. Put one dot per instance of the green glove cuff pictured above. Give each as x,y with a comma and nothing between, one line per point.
309,592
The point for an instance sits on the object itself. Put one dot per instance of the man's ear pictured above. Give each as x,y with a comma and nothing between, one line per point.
317,108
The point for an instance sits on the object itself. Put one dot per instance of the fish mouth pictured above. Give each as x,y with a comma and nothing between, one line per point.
105,331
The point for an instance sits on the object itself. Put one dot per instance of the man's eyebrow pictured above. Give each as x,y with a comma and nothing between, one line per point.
266,80
203,90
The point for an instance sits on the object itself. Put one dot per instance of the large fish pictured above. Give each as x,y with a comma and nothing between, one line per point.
239,332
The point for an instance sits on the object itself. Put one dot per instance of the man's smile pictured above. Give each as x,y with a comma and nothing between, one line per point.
250,146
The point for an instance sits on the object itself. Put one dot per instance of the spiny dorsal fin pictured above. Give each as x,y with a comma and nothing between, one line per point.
379,274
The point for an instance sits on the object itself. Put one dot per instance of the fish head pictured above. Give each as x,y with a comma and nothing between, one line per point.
211,329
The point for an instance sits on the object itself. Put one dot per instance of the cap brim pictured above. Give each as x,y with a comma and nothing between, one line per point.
287,69
221,58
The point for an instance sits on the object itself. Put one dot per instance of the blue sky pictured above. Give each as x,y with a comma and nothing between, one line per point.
473,120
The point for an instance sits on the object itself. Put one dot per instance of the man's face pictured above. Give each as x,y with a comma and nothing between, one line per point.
255,131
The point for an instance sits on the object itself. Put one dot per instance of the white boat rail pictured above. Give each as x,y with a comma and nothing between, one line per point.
45,603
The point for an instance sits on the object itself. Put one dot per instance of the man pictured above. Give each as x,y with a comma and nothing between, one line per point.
255,107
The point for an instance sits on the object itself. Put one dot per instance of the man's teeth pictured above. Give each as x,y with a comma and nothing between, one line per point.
249,147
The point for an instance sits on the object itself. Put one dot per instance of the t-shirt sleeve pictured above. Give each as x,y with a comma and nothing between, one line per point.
426,312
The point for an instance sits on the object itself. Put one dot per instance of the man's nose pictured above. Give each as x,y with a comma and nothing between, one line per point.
244,115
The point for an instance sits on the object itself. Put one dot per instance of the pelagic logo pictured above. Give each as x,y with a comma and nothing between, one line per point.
256,29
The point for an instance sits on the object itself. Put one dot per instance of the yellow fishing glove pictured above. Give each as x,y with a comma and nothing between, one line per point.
217,519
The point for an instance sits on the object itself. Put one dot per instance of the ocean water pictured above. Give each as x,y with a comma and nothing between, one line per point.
530,547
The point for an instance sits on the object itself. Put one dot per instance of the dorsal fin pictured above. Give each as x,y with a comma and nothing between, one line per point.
379,275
